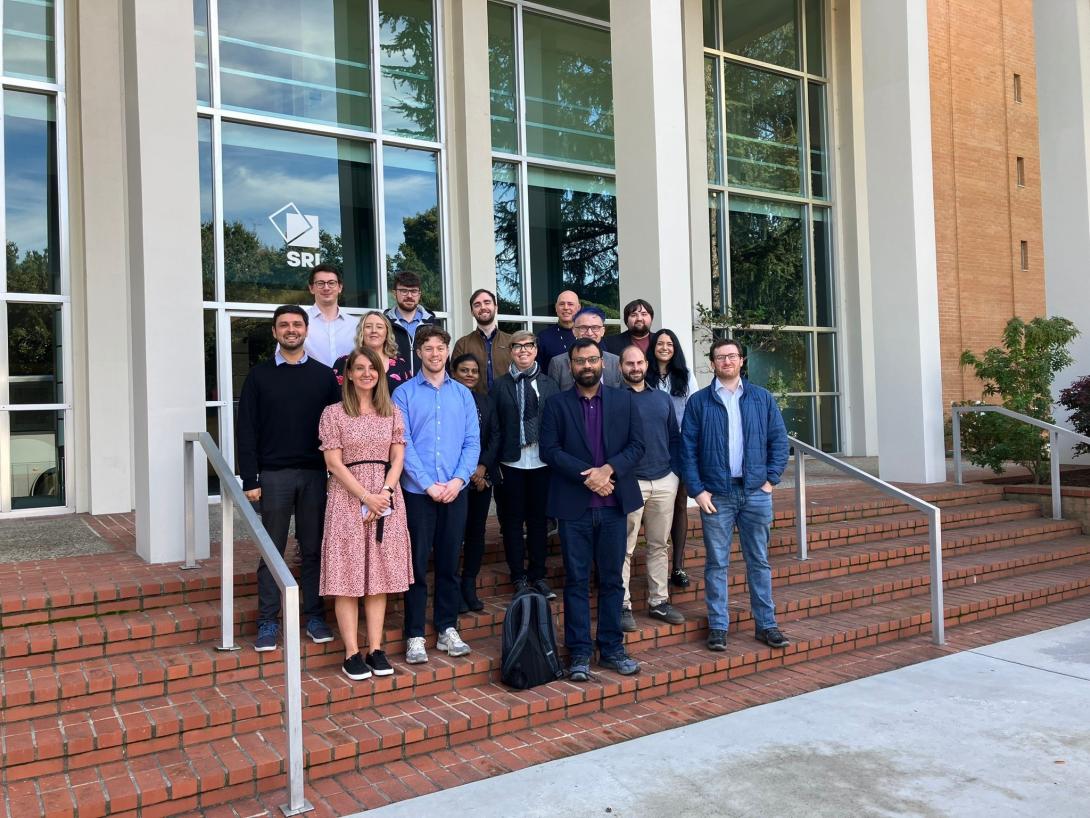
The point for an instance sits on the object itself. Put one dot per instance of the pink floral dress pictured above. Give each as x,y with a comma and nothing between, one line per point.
354,562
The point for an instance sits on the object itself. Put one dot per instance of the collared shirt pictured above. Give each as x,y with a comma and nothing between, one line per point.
488,339
594,428
329,340
442,433
410,326
735,441
530,454
280,359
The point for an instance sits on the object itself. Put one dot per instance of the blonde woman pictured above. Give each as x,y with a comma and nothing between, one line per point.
365,550
374,331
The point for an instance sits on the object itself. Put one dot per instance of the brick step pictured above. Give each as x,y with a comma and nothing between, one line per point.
218,770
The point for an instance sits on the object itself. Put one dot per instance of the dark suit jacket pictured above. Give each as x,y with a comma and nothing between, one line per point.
564,447
490,435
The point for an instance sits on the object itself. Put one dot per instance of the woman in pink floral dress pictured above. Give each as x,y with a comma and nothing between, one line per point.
365,551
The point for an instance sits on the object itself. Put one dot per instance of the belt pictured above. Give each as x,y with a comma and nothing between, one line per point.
738,481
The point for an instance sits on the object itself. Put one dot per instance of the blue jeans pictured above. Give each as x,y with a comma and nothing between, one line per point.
751,511
598,538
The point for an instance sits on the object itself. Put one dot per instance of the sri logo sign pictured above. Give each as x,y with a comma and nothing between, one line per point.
298,230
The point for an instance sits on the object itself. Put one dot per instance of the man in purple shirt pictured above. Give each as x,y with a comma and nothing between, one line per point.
592,438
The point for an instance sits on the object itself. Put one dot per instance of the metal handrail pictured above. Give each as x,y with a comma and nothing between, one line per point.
934,522
1054,433
231,495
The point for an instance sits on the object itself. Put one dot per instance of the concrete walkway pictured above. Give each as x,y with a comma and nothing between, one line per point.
998,731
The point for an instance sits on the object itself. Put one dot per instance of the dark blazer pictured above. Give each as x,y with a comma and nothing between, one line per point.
490,435
564,447
507,408
617,343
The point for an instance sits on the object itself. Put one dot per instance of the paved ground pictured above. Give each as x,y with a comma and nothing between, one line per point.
996,731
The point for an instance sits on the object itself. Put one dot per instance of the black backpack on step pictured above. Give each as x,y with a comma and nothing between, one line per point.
529,643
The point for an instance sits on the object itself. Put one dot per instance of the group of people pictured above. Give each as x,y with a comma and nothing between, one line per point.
389,448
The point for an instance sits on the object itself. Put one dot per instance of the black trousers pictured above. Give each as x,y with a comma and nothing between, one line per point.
285,492
479,503
525,493
434,527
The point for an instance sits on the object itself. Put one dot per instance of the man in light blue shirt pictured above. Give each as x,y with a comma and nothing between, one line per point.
731,398
442,447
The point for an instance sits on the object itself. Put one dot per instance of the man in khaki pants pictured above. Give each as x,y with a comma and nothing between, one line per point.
658,479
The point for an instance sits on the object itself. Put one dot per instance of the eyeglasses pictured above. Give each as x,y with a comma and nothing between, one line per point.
732,356
323,285
408,290
523,347
593,329
592,360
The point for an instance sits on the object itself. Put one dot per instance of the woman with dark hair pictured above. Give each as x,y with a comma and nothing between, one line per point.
466,369
365,550
668,371
375,331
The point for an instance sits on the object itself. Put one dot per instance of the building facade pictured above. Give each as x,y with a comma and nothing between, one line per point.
855,190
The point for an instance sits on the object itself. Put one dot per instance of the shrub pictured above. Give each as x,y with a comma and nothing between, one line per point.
1076,399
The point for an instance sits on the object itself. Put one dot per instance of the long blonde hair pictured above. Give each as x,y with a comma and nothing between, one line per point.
380,395
389,347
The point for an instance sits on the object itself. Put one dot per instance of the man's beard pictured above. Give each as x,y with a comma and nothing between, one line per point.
588,377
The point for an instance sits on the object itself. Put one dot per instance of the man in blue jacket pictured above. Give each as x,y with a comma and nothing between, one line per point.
592,438
733,450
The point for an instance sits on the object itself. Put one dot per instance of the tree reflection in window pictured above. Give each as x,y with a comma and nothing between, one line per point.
407,49
767,269
505,224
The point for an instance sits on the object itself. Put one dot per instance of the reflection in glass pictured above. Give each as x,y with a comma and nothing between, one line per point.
826,362
37,459
778,361
290,200
766,31
718,234
411,182
29,45
212,426
505,221
818,170
767,268
511,327
573,239
30,186
201,51
711,116
710,37
798,416
569,91
815,38
823,268
303,59
587,8
211,377
251,343
407,56
208,233
762,129
829,423
34,353
501,77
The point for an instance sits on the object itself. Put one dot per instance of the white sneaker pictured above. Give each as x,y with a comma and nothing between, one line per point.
452,643
415,654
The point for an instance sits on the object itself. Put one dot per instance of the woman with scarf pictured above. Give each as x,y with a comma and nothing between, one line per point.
520,396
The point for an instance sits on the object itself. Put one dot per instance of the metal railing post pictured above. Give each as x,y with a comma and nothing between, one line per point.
294,709
955,433
800,502
188,453
1054,466
227,573
938,608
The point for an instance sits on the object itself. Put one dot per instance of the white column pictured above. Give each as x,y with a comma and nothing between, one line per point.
1062,29
904,289
164,266
652,160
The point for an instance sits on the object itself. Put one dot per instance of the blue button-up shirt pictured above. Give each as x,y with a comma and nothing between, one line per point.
410,326
442,433
736,444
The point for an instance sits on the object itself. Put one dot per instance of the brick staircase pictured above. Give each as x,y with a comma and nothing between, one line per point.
114,701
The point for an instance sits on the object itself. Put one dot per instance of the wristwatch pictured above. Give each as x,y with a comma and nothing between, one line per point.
389,489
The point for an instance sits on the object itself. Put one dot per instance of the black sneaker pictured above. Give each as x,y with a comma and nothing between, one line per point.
772,637
717,639
667,613
628,621
522,585
621,663
542,587
471,600
679,579
355,668
376,660
579,669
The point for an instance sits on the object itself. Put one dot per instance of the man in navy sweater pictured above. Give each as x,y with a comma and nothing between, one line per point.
282,467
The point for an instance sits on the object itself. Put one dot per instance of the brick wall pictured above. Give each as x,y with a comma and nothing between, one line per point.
981,213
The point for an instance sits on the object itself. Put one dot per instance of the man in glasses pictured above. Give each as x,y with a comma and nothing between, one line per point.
733,451
592,439
590,324
408,315
332,332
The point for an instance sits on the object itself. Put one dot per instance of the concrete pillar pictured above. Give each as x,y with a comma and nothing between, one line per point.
164,266
1062,29
904,289
652,160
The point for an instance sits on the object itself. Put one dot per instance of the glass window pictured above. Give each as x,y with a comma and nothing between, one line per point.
411,182
501,77
201,52
37,459
505,217
762,129
407,56
826,361
711,38
815,38
302,59
212,424
829,422
211,370
251,343
34,353
819,187
569,91
208,232
292,200
711,114
823,268
798,416
30,186
765,31
573,239
587,8
718,242
778,361
29,43
767,262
